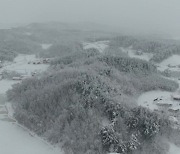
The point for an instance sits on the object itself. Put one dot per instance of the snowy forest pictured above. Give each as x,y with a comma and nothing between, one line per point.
89,77
85,102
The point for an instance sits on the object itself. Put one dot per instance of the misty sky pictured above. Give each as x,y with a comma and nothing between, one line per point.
133,15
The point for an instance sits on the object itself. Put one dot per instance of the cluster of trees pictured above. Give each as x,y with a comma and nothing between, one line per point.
61,50
28,39
13,42
68,104
7,54
161,49
125,64
75,58
10,74
123,41
166,51
131,129
81,89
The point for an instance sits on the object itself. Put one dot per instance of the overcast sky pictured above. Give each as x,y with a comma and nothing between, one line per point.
134,15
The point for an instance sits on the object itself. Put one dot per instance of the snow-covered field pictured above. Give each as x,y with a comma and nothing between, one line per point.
14,138
99,45
174,149
28,33
172,61
21,65
155,99
46,46
132,53
147,99
5,85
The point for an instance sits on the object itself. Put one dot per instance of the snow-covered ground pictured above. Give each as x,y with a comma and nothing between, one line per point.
152,98
174,149
99,45
132,53
28,33
17,140
46,46
5,85
147,99
172,61
164,98
14,138
21,65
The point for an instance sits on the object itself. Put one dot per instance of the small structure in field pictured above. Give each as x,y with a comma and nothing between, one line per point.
164,104
176,97
17,78
40,61
37,62
33,73
174,110
46,60
25,76
139,52
157,99
171,66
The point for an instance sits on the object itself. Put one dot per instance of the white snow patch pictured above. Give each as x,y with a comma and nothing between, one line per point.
46,46
10,109
99,45
28,33
6,85
174,149
147,99
21,65
173,61
132,53
15,140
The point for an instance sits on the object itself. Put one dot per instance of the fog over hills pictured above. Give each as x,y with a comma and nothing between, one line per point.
140,16
89,77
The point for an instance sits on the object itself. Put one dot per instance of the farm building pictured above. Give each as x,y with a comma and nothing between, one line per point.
176,97
164,104
174,110
17,78
171,66
45,61
25,76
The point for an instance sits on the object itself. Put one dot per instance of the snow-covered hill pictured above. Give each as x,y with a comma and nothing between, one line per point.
99,45
14,138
